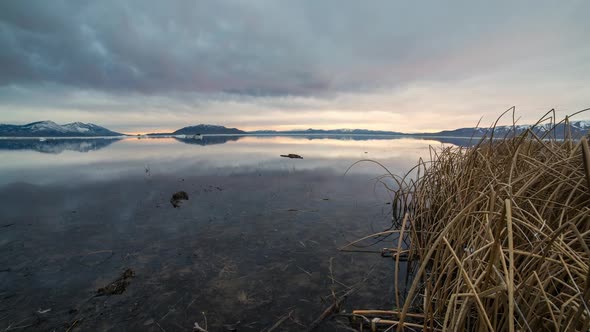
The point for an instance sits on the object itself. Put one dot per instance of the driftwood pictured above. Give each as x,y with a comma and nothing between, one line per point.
292,156
332,309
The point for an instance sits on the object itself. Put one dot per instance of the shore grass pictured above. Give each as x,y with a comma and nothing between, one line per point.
498,234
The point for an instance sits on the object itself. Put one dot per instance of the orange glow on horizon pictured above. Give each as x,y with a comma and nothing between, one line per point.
135,133
286,128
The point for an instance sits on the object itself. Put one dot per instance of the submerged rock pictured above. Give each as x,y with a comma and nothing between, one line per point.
118,286
178,197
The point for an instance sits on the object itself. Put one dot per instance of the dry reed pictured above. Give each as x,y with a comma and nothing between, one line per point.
499,233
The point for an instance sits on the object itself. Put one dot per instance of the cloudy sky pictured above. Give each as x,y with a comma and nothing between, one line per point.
146,65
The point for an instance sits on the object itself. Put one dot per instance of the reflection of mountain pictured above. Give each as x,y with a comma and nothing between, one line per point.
56,145
458,141
208,140
447,140
213,139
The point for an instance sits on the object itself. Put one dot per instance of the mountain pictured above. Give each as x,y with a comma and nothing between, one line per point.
205,129
326,132
79,129
576,128
52,129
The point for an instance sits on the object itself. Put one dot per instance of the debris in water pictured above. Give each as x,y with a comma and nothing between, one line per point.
210,188
118,286
292,156
304,271
243,298
176,198
231,327
198,328
280,321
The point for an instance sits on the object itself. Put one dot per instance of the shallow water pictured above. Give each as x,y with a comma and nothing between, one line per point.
256,240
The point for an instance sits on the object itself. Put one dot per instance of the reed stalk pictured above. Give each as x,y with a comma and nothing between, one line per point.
500,233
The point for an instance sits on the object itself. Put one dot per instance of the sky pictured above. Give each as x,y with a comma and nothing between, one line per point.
416,66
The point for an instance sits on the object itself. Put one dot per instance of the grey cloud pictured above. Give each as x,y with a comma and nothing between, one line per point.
272,48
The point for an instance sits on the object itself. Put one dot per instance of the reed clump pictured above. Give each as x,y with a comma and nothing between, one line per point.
499,234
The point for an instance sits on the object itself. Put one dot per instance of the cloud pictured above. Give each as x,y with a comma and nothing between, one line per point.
236,61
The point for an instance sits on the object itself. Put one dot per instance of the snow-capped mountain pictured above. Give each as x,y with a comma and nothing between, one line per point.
584,124
52,129
576,128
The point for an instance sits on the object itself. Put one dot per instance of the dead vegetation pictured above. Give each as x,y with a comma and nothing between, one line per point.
178,197
117,286
497,235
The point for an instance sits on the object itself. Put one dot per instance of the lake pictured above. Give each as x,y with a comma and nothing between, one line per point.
256,241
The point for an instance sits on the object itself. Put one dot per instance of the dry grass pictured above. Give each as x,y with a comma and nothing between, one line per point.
244,298
500,234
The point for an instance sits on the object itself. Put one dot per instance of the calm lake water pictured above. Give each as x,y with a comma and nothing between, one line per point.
256,240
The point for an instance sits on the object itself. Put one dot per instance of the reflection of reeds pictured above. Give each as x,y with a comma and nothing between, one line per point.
500,233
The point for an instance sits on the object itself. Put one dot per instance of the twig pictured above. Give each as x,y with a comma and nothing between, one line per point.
280,321
333,308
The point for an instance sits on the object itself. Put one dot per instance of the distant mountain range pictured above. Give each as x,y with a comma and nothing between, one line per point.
52,129
576,128
78,129
326,132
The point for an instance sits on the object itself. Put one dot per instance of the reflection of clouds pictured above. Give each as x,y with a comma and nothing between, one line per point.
339,140
167,156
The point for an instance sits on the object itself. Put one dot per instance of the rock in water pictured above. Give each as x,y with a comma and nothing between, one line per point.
118,286
292,156
177,197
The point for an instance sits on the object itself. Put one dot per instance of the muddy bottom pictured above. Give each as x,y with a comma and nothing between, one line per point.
244,251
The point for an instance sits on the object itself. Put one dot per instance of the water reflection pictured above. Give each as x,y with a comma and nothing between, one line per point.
56,146
258,234
59,145
220,139
209,140
457,141
112,159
